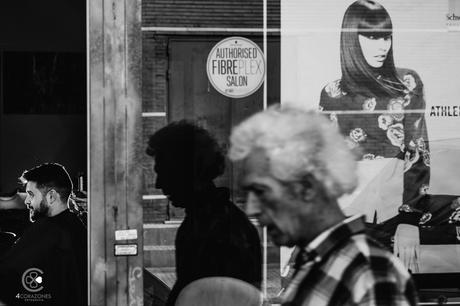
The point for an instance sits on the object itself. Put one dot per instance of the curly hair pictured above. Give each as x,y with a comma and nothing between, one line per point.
191,146
298,144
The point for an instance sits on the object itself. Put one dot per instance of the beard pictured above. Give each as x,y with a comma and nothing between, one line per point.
40,213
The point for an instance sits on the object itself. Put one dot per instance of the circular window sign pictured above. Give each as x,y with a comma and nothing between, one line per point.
236,67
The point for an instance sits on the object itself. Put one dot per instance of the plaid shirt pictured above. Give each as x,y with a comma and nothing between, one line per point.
344,266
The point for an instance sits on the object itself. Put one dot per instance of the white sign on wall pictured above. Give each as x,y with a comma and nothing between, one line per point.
236,67
126,234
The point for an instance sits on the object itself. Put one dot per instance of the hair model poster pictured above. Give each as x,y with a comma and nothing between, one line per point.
386,74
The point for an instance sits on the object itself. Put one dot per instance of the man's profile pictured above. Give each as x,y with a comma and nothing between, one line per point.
215,238
295,167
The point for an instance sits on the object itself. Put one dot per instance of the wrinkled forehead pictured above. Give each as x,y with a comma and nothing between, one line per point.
257,160
255,165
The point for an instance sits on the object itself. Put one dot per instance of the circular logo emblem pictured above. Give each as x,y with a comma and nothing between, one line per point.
236,67
32,280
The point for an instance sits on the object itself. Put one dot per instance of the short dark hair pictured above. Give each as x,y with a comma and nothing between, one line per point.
50,175
366,17
191,145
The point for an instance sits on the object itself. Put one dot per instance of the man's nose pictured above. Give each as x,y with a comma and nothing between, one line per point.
252,205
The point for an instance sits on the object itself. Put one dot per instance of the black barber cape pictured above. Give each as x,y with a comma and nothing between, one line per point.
47,265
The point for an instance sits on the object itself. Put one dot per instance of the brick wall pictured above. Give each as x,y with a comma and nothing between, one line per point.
154,72
154,99
206,13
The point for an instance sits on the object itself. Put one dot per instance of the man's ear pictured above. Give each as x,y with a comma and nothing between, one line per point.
52,196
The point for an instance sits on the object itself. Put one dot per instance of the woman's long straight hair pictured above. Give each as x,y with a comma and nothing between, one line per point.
368,18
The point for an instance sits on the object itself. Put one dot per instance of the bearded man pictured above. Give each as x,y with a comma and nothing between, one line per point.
48,264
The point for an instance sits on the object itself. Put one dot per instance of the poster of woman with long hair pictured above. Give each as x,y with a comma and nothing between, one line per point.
385,73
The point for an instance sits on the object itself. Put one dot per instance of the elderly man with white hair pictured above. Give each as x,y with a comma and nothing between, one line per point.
295,167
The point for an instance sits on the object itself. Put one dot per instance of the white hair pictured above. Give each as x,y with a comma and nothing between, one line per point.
298,143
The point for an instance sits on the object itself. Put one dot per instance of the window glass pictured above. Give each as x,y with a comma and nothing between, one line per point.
402,118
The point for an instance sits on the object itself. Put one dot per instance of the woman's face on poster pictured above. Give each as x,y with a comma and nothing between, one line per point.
375,49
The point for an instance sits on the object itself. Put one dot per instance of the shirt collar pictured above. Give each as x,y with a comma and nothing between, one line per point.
327,240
